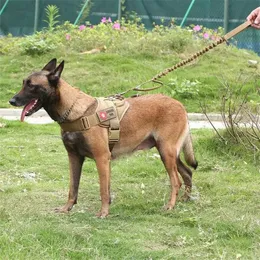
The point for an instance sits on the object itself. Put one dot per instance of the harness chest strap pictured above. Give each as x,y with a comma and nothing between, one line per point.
108,114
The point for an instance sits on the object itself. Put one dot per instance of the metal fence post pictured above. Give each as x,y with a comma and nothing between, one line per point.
4,6
36,16
119,10
226,15
187,13
81,12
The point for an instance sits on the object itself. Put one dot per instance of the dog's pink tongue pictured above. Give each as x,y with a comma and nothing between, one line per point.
27,108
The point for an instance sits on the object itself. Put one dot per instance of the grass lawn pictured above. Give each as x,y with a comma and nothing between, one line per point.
221,222
222,219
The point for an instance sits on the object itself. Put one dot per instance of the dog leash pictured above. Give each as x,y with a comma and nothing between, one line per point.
155,80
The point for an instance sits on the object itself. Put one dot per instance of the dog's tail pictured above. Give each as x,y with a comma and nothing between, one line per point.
189,152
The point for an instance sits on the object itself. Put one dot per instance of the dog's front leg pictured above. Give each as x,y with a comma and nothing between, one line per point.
103,167
75,162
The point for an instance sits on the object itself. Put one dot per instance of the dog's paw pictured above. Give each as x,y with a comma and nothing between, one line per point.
102,214
168,207
185,197
187,194
62,210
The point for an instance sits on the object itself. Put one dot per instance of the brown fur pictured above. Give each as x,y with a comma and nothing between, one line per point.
151,121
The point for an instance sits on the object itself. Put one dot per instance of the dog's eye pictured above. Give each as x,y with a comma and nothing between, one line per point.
27,82
33,86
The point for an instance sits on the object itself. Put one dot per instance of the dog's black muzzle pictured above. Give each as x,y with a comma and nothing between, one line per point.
18,100
13,102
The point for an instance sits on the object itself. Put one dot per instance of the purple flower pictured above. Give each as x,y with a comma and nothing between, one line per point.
206,36
68,37
82,27
109,20
196,28
116,26
104,20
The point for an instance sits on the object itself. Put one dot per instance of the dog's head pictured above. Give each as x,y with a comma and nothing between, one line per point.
38,89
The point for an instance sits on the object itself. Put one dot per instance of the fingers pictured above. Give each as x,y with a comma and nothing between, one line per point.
254,17
257,26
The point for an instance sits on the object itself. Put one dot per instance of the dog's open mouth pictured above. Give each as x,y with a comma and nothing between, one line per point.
33,106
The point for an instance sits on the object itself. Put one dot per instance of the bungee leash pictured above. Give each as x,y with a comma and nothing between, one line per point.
155,80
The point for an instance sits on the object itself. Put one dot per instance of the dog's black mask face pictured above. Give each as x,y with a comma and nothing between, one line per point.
38,89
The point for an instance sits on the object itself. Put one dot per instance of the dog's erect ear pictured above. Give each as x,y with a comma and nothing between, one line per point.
54,75
51,65
57,72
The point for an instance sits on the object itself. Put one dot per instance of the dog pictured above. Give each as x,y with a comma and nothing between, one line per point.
150,121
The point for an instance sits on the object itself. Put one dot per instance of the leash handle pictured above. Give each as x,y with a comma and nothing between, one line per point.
237,30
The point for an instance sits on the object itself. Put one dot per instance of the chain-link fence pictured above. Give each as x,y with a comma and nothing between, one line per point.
23,17
209,13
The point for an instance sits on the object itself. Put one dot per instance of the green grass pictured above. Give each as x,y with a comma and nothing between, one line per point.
221,222
222,219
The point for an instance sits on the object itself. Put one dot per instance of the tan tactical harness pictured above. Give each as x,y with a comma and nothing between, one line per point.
108,114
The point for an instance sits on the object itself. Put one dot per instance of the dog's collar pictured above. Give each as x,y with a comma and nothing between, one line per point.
65,115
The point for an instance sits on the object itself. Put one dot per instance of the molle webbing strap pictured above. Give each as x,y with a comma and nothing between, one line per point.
81,124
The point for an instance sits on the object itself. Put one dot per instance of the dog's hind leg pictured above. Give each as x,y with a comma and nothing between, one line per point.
186,175
76,162
169,158
103,167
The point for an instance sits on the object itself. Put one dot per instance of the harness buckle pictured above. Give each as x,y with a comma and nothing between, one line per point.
85,123
114,135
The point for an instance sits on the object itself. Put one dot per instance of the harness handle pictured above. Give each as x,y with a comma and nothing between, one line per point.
137,88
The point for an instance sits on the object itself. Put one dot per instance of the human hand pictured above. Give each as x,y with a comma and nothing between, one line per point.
254,17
